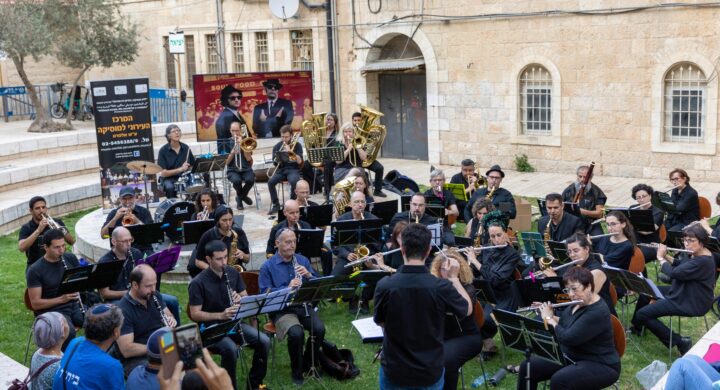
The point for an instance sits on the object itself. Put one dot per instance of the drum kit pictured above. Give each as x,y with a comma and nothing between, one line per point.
145,168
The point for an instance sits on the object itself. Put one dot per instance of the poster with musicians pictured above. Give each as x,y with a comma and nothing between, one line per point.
264,101
124,133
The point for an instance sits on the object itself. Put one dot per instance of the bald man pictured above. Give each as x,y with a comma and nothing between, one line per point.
143,308
302,194
291,210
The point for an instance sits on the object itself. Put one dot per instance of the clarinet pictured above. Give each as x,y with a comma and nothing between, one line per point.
232,303
163,316
79,300
132,262
299,277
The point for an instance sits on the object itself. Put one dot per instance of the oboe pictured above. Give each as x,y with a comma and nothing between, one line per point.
554,306
79,299
163,316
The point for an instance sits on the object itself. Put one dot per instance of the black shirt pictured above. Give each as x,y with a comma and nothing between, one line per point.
412,304
687,208
617,255
123,281
141,320
48,276
587,334
693,280
270,247
168,159
211,291
569,224
292,164
498,268
36,250
592,197
214,234
500,196
447,198
458,326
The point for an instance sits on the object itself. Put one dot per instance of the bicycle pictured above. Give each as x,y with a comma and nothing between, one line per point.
82,107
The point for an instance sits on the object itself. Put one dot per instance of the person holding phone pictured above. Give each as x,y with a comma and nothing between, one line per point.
288,269
214,297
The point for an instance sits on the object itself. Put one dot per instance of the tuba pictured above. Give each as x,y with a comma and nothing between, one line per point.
341,193
369,135
314,133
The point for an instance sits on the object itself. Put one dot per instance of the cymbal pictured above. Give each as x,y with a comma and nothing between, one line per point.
147,167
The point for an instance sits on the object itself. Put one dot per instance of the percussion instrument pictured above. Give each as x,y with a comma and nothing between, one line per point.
172,213
193,182
144,167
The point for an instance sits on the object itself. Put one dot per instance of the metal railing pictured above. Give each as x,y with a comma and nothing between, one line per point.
164,105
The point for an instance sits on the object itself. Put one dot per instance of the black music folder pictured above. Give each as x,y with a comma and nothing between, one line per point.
320,215
632,282
663,201
559,251
385,210
530,336
366,231
642,220
89,277
193,230
209,163
434,207
547,289
310,242
147,234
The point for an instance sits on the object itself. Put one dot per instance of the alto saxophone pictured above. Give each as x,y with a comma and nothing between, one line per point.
233,250
545,262
490,193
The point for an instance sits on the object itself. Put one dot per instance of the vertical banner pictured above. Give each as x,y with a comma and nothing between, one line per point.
124,133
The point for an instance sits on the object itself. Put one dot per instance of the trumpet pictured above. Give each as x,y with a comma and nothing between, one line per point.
655,245
368,257
554,306
559,267
204,215
128,218
51,222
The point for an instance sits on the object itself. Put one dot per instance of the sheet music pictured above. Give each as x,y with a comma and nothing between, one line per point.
648,281
368,329
436,230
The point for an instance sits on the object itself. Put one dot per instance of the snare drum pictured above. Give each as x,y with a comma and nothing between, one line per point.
194,183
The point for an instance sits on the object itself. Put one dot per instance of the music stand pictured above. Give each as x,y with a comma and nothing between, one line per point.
147,234
458,190
559,251
210,163
485,292
548,289
331,153
434,207
89,277
529,336
351,233
533,243
193,230
366,279
674,239
385,210
663,201
541,207
162,261
436,230
641,219
572,208
310,242
462,242
632,282
405,202
320,215
216,332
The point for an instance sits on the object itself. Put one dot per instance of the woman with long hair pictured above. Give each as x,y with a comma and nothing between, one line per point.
205,204
617,250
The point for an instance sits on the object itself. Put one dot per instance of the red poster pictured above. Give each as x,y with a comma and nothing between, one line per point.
267,102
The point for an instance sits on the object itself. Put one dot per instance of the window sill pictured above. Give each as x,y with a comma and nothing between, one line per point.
539,140
706,148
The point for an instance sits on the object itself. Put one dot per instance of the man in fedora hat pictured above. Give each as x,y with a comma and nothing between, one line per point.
270,116
501,198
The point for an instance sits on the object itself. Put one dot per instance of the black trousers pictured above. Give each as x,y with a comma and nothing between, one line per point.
328,178
290,174
647,316
300,361
584,375
378,170
458,351
228,350
237,178
339,270
168,185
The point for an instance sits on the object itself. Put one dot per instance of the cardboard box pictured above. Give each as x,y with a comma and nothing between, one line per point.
523,217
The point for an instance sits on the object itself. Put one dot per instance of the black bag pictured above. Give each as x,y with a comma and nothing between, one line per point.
338,363
17,384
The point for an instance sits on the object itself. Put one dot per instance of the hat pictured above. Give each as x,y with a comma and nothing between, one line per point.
495,168
153,343
127,191
269,82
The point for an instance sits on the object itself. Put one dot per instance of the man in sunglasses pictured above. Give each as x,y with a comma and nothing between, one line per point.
270,116
230,98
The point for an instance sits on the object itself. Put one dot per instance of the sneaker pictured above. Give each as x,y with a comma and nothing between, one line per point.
247,200
379,193
240,207
274,209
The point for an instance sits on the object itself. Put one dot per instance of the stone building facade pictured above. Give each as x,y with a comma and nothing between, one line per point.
629,84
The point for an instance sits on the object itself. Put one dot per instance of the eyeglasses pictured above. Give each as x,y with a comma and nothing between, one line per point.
689,240
572,289
613,223
642,197
272,87
494,177
235,97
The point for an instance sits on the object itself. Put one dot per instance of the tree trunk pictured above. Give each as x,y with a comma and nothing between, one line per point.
71,110
43,123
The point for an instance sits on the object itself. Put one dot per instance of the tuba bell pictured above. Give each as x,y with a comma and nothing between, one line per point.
314,133
369,135
341,193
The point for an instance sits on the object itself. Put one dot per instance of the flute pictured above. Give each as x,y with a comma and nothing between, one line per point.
655,245
554,306
559,267
368,257
602,235
476,249
639,205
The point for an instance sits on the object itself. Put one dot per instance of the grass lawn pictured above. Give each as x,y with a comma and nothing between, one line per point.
15,322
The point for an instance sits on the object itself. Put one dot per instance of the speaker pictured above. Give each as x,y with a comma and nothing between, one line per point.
401,182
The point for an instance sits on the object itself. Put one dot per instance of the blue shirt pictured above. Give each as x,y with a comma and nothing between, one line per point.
143,377
276,274
89,368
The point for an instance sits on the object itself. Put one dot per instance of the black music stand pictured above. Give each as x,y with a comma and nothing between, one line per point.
331,153
632,282
541,207
533,244
310,242
675,239
485,292
193,230
572,208
663,201
147,234
641,219
210,163
405,202
89,277
529,336
216,332
434,207
548,289
462,242
366,279
385,210
559,251
351,233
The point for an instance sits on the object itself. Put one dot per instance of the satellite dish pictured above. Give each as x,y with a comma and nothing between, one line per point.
284,9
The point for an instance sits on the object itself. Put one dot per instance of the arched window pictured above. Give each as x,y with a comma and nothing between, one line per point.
684,108
535,100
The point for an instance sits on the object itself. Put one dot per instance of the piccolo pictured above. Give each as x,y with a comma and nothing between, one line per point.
655,245
476,249
368,257
554,306
559,267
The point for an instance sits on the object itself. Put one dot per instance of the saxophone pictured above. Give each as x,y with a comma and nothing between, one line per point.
233,250
545,262
491,193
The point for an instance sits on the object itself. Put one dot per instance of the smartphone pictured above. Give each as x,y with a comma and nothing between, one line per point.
188,344
168,354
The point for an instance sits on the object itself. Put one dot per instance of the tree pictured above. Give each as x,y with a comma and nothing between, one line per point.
93,33
24,33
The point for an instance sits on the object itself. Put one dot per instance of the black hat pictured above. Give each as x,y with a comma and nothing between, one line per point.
495,168
127,191
269,82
